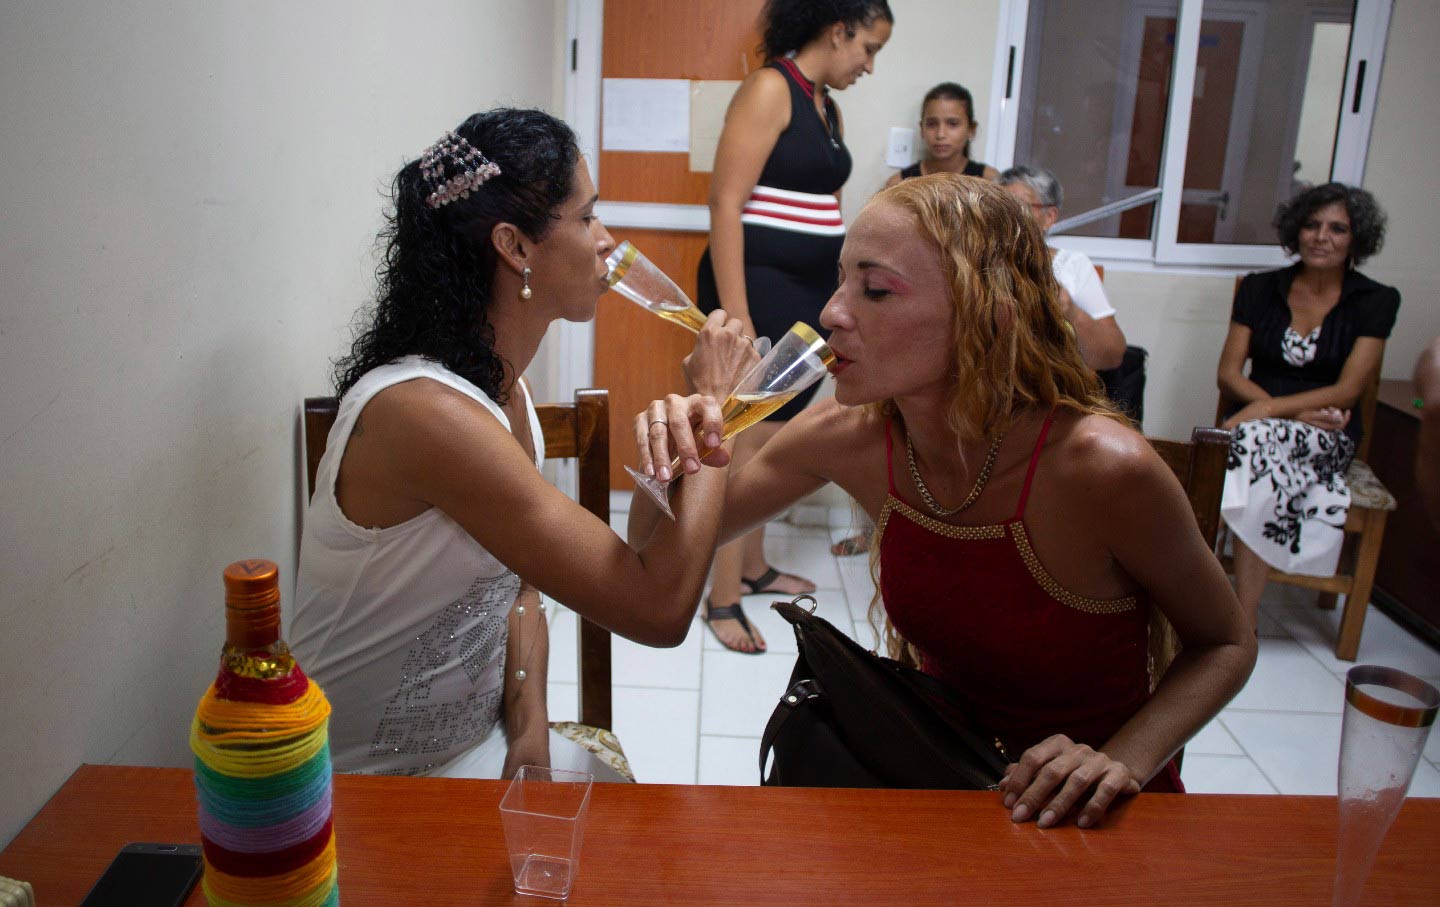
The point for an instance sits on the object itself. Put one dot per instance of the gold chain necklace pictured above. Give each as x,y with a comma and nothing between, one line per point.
930,502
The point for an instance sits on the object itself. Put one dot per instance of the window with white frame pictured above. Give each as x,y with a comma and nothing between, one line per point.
1176,127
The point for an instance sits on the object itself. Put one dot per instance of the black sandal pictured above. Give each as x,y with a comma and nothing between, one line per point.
762,583
735,613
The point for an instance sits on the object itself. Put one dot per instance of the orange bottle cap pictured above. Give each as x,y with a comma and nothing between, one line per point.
252,603
251,584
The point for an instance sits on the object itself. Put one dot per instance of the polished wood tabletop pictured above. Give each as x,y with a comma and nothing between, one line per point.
439,841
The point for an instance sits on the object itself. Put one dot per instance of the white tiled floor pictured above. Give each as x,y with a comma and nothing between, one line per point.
694,714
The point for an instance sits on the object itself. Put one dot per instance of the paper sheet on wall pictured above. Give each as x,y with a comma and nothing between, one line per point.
645,115
708,102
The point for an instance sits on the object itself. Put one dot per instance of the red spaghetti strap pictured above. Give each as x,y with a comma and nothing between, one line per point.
889,450
1034,459
805,84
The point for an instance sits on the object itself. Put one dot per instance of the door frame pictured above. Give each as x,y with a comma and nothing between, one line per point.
1316,13
574,365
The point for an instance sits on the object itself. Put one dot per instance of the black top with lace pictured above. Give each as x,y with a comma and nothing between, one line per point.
1366,309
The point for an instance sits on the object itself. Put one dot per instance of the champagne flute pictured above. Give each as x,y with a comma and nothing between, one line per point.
1388,715
635,277
800,359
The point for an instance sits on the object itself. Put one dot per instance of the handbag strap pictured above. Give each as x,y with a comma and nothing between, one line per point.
799,692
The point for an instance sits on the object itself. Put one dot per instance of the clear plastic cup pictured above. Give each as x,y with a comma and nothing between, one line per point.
543,814
1388,716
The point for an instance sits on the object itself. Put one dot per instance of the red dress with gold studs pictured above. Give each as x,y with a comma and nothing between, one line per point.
1030,658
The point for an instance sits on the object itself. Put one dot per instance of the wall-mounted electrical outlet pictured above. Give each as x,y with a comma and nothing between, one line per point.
900,150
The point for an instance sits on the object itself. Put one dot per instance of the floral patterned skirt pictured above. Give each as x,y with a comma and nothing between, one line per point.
1285,494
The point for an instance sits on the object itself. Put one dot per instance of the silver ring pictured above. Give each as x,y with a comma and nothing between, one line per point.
659,422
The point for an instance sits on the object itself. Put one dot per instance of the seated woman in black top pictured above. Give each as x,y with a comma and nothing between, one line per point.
1314,333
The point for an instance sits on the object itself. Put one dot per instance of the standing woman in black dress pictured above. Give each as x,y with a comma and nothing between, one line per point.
775,227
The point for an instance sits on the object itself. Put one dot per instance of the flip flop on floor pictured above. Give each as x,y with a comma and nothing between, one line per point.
735,613
855,544
765,582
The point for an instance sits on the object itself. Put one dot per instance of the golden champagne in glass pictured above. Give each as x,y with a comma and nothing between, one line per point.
635,277
800,359
744,410
687,316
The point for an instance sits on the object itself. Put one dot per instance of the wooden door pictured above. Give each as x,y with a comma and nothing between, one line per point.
1217,75
637,355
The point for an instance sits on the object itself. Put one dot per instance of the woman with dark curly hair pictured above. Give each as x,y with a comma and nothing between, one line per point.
775,227
432,533
1314,333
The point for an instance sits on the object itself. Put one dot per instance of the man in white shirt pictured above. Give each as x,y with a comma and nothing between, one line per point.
1102,343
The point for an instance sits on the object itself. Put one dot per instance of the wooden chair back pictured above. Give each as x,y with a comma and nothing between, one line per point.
1364,407
579,430
1199,464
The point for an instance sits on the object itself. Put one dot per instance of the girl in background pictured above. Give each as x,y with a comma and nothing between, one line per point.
948,125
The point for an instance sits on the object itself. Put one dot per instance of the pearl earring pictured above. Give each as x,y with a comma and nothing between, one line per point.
525,290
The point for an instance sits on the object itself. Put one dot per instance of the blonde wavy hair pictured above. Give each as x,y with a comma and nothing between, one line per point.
1013,349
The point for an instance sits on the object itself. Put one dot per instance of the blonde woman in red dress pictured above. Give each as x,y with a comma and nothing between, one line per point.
1028,539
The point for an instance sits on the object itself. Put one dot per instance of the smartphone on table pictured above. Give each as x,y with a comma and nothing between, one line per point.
148,875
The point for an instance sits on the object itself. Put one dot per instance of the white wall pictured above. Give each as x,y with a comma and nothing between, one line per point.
934,41
1401,172
190,194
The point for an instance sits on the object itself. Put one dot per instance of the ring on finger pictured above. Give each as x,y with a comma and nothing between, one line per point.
659,422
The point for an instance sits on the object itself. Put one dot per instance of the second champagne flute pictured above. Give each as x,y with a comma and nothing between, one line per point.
635,277
800,359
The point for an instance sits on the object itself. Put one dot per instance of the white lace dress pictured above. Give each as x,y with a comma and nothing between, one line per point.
1285,494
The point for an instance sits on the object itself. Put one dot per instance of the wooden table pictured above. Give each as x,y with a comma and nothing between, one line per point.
1407,579
438,841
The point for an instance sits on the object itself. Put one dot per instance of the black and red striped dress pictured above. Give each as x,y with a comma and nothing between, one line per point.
792,225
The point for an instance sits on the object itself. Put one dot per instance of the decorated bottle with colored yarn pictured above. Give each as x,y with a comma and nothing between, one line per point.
262,761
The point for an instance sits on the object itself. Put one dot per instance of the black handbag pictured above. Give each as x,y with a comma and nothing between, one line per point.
851,718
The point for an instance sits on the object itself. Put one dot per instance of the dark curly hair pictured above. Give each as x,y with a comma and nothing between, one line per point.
1367,220
787,25
952,91
435,280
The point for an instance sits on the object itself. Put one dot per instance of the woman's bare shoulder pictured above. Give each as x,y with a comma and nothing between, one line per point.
426,405
765,84
1099,449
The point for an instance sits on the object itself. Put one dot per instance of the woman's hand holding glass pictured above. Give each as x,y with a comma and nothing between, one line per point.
670,427
682,419
721,357
1057,775
799,360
